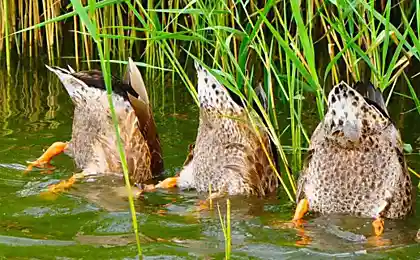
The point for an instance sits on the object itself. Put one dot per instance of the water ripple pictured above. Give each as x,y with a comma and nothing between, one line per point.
21,241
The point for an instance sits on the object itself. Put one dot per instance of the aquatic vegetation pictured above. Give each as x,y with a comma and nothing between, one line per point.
298,49
226,228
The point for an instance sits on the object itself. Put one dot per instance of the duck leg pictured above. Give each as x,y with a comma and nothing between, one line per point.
378,226
378,223
168,183
65,184
172,182
207,204
44,160
301,209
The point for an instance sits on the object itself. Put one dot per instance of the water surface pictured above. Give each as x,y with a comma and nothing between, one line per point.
92,221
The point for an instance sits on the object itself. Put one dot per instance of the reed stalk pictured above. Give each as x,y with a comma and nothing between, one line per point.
226,228
6,33
105,66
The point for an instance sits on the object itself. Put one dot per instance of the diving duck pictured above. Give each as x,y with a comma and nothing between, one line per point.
355,163
228,154
93,142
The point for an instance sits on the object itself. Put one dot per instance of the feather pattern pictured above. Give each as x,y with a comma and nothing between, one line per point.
93,143
355,163
228,153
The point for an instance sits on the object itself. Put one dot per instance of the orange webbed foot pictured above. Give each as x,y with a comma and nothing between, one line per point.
44,160
203,205
64,184
378,226
168,183
301,209
207,204
378,241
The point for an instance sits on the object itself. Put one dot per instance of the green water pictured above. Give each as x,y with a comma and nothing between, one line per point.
92,221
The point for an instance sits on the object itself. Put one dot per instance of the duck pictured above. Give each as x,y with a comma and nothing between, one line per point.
93,141
355,164
229,155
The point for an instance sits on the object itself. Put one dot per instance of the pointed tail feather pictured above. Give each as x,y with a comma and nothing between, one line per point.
71,83
353,112
71,69
144,115
133,77
140,104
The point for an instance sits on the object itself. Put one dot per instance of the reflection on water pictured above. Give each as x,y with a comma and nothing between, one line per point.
93,219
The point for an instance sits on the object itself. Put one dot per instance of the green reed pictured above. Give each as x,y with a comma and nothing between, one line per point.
6,33
103,52
226,228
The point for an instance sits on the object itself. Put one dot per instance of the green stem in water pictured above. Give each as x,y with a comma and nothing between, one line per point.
228,231
6,25
105,66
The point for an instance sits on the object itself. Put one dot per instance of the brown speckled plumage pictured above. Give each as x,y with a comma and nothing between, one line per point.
93,143
227,153
356,164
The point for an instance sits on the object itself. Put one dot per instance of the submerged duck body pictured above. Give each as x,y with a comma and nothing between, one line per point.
356,164
228,154
93,143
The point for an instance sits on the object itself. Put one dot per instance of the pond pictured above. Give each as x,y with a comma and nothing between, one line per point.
93,221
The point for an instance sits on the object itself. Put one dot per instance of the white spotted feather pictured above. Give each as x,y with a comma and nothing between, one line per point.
349,113
212,94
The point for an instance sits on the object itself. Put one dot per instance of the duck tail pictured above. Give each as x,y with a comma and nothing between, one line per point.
83,85
133,78
144,114
371,95
140,103
71,83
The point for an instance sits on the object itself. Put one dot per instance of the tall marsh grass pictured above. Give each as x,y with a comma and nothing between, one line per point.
297,49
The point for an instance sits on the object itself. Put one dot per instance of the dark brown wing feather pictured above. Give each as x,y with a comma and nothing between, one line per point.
373,96
95,79
144,113
147,126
